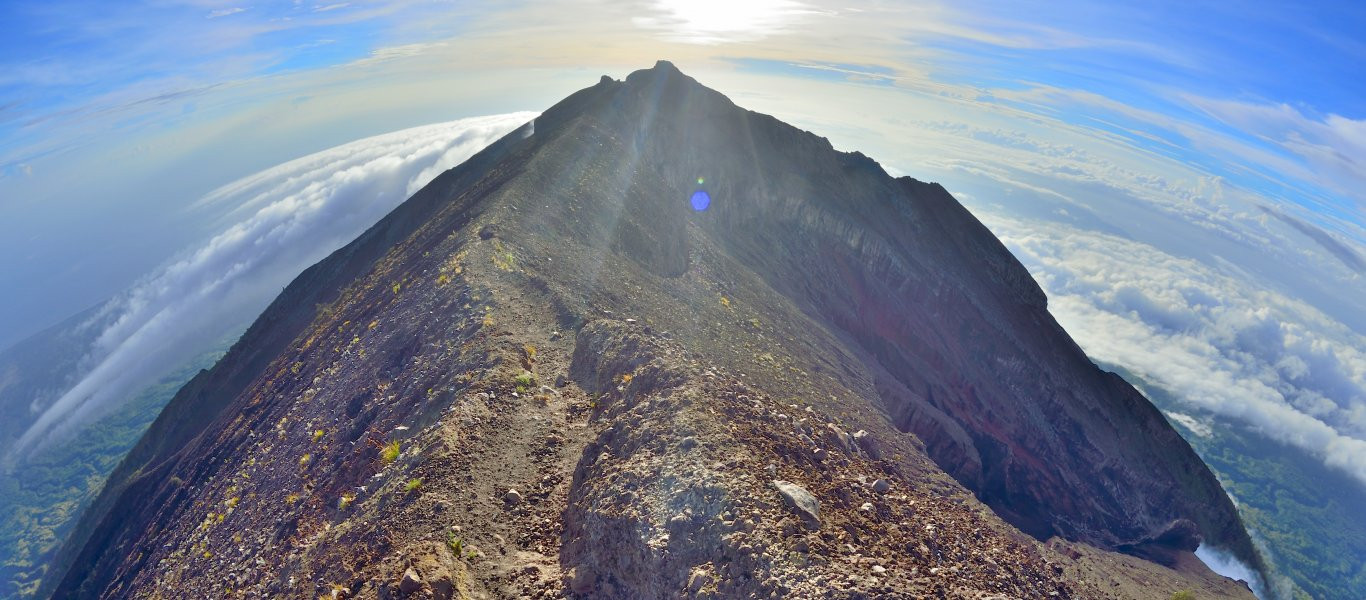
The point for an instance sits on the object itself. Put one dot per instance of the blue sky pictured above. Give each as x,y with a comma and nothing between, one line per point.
1187,180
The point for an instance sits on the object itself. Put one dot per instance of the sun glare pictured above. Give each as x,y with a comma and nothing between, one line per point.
721,21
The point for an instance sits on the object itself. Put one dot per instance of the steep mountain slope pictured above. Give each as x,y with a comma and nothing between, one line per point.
547,374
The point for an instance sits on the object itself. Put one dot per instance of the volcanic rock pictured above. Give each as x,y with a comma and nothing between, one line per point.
812,284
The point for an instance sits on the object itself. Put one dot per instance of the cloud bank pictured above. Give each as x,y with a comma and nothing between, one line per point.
1224,340
287,218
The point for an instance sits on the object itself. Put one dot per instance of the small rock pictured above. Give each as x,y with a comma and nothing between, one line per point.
801,501
839,437
630,321
879,569
867,507
819,453
869,444
488,231
698,580
561,381
772,469
581,580
555,336
881,486
688,443
512,497
410,583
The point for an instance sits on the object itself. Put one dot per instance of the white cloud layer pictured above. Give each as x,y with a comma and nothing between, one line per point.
1217,336
288,217
1226,564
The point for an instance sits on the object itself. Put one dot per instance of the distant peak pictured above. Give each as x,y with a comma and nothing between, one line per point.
664,65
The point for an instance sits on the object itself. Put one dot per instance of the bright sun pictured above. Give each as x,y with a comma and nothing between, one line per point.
720,21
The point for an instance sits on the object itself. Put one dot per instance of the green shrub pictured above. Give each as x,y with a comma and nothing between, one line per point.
389,453
525,381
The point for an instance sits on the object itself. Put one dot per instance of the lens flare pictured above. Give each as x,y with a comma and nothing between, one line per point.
700,200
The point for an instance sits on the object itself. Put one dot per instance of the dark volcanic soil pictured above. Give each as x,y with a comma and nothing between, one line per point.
546,376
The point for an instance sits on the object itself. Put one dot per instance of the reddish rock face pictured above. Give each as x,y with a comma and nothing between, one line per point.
704,353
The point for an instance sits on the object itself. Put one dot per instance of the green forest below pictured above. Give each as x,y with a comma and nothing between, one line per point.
42,498
1306,516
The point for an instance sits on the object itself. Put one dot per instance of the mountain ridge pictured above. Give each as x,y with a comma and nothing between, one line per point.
851,277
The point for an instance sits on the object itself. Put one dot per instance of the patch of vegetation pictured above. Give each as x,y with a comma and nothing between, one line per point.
45,494
413,485
525,380
457,547
389,453
1308,515
345,501
1183,595
502,258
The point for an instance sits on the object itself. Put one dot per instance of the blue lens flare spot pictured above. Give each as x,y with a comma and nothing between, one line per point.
700,200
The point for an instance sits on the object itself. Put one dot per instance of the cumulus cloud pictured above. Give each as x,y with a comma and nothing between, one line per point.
1224,563
289,217
1196,426
1223,339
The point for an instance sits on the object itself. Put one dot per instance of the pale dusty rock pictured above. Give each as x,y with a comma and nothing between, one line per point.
410,583
801,501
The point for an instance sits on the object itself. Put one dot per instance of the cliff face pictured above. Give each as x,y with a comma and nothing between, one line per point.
547,374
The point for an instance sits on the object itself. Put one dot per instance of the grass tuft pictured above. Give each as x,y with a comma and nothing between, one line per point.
389,453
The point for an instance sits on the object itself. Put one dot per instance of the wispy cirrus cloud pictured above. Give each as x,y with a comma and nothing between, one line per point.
1331,148
224,12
